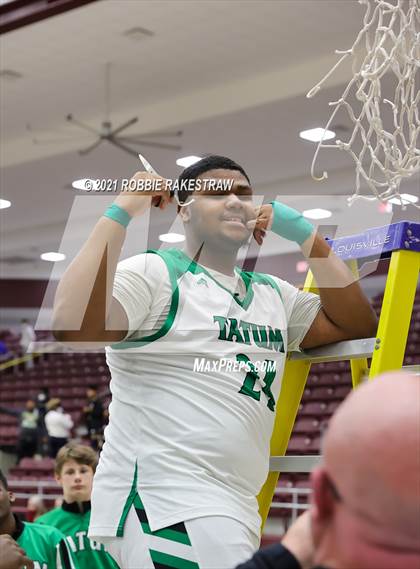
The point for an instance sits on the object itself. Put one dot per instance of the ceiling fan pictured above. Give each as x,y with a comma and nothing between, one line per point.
108,132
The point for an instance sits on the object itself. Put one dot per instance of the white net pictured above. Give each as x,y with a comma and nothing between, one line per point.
383,143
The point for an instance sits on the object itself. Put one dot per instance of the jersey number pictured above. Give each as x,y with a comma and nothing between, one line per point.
252,377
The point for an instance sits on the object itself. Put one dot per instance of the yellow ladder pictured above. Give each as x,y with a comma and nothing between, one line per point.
386,350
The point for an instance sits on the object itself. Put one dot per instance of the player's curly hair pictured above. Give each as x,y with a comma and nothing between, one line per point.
212,162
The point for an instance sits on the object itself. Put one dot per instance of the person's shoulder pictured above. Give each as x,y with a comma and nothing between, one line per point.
50,517
287,290
138,259
281,286
156,266
145,262
44,532
256,276
281,282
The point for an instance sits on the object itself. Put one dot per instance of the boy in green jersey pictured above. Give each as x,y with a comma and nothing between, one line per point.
75,466
46,546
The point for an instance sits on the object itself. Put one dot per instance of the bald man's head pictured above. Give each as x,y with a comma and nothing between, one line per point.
367,493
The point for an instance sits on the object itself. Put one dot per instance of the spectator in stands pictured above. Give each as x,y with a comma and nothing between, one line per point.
6,355
44,545
366,500
35,508
59,426
27,336
94,417
4,352
75,466
41,402
12,556
42,399
28,428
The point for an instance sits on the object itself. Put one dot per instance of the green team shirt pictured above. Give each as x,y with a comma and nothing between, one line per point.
45,545
73,520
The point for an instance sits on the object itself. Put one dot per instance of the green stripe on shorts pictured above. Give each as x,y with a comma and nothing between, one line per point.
167,533
176,532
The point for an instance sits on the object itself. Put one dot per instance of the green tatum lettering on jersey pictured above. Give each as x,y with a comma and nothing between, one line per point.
249,333
74,524
45,545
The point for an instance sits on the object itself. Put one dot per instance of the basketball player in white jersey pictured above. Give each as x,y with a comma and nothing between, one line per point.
196,349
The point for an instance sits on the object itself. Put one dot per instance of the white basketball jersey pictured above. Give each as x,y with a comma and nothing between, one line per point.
193,404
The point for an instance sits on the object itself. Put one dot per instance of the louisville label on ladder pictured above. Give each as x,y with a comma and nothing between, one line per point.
401,243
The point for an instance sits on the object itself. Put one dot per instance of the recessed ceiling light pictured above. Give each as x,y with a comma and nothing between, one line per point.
172,237
5,204
405,199
302,267
53,257
188,161
317,213
317,134
84,184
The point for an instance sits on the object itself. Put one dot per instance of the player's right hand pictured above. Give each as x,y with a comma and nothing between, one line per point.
12,556
137,202
298,540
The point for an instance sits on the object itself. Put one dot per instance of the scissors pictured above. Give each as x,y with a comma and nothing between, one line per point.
149,168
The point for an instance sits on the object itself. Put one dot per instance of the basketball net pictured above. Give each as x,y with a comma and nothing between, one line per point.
385,132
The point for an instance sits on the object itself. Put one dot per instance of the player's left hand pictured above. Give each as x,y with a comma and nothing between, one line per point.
262,222
12,556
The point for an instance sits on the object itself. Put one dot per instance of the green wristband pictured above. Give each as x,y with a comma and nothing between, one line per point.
118,214
290,223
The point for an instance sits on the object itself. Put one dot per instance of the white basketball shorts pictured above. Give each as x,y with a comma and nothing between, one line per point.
210,542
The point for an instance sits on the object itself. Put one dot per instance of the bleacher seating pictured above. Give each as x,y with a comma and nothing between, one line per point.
67,376
41,468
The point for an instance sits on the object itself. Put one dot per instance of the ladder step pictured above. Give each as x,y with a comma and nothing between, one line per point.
304,463
415,369
348,350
